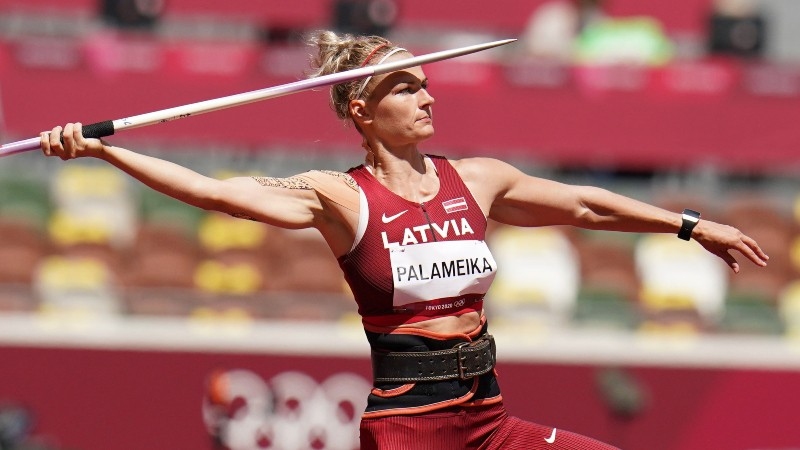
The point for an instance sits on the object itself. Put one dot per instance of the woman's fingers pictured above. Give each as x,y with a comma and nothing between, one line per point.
758,255
724,239
54,140
748,247
44,138
77,133
729,259
56,146
751,255
69,140
66,142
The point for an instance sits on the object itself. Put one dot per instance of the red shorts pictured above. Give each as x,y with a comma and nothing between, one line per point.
475,427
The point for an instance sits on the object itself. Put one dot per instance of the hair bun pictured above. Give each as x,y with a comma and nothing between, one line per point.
338,53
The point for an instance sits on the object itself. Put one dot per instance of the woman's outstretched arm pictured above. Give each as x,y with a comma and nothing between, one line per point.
514,198
276,203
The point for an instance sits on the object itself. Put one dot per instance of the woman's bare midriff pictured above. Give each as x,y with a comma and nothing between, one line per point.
463,324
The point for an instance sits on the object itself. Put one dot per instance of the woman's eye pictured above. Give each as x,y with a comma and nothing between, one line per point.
411,88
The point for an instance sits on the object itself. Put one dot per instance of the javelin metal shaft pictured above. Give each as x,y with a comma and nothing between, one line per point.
108,128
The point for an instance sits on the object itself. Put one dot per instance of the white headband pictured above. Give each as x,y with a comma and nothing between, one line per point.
380,61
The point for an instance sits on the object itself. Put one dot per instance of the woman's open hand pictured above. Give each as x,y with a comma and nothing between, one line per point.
720,239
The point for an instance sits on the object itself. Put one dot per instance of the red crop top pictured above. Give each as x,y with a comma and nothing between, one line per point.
411,262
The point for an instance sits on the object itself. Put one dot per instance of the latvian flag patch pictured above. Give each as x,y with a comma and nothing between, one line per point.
456,204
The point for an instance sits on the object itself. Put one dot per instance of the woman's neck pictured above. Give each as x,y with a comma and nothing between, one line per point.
406,175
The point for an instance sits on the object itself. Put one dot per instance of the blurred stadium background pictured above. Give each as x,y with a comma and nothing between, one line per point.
129,321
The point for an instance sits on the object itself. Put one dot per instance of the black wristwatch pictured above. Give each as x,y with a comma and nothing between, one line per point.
690,219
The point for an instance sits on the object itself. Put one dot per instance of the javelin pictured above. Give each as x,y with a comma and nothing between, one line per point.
109,127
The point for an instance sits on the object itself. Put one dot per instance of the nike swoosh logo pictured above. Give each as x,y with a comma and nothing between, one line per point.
385,219
552,437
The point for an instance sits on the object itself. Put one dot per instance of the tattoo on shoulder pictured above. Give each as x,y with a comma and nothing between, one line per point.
351,183
288,183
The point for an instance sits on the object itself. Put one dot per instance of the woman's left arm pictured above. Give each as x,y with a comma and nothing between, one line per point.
514,198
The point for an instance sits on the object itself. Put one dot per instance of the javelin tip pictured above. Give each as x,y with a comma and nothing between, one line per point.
499,43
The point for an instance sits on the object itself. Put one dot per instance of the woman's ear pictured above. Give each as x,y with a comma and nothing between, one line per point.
358,110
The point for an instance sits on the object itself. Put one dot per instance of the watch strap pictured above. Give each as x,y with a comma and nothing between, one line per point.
690,219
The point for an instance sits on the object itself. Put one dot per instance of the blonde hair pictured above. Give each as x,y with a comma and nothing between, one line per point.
337,53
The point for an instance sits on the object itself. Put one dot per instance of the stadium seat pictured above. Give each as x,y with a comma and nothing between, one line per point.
163,256
93,203
307,264
538,275
753,293
680,281
609,292
789,308
76,288
22,247
159,276
794,255
228,277
219,232
17,299
232,262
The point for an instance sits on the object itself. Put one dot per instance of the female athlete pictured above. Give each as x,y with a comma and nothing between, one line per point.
408,230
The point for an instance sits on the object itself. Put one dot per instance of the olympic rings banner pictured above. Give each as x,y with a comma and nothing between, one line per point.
292,410
80,399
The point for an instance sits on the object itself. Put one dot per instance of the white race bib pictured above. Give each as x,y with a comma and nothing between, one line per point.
434,270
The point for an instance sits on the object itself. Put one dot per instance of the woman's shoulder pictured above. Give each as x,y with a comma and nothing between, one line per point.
331,176
338,187
477,167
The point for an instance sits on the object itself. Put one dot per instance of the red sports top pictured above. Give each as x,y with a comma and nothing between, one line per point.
411,262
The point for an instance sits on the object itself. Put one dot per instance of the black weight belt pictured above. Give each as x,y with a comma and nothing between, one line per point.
464,361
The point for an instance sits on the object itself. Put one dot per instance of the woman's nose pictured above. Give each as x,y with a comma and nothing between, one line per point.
427,98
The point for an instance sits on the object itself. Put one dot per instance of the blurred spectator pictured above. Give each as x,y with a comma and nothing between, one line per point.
17,430
782,32
142,14
554,26
638,40
580,31
15,423
364,17
737,27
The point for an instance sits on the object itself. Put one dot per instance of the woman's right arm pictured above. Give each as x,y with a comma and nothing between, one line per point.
273,203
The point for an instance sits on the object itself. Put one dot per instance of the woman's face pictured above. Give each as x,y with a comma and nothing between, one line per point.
399,108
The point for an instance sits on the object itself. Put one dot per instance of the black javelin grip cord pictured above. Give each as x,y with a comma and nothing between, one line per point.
96,130
92,130
109,127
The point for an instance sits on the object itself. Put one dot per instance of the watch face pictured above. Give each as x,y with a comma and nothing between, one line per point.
690,219
690,214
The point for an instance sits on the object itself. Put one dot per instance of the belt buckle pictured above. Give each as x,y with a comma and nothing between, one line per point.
461,357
